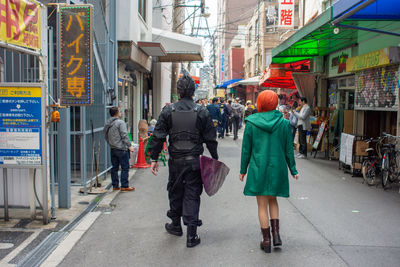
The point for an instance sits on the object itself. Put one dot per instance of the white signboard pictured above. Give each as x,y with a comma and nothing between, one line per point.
286,13
346,149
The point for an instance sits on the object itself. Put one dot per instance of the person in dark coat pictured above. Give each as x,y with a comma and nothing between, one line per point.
225,115
214,111
187,126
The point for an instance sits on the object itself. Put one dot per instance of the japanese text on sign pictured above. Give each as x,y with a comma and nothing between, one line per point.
286,13
20,23
20,125
76,55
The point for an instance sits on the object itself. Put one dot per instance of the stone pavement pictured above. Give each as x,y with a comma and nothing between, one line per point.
331,219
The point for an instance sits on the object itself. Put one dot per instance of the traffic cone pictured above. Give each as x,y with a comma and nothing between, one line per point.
141,160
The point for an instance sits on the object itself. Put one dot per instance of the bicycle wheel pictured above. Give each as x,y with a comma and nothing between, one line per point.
369,172
385,171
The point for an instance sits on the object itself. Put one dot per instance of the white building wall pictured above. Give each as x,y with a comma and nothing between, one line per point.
312,7
130,25
162,19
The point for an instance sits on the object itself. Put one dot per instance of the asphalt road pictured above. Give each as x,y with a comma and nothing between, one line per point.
331,219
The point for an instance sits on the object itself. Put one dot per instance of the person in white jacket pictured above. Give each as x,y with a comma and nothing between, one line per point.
303,125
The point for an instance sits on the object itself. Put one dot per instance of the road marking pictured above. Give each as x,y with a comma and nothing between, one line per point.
65,246
18,249
6,245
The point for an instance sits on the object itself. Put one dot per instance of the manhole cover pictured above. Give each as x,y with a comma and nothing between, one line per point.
6,245
83,203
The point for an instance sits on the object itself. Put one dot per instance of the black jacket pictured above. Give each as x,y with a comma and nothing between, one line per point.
204,124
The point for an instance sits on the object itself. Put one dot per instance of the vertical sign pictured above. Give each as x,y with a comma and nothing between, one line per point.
21,129
76,55
286,13
222,72
20,23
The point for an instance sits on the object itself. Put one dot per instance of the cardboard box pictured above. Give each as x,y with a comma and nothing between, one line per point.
357,166
348,121
361,146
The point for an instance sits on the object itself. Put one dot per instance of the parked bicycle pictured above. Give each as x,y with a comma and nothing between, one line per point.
390,157
371,166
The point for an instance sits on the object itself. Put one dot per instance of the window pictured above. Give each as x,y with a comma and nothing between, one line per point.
256,59
257,31
142,9
250,35
271,18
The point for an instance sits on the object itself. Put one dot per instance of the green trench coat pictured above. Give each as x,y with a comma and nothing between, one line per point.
267,152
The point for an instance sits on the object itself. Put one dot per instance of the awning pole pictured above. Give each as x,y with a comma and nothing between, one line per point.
352,12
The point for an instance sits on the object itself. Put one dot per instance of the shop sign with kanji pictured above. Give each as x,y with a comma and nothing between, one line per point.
20,23
76,55
286,13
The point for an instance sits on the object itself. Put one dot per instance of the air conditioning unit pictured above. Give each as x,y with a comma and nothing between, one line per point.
317,64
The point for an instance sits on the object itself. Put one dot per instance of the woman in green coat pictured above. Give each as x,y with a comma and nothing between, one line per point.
267,152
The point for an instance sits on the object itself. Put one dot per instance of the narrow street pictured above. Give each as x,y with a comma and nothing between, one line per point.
331,219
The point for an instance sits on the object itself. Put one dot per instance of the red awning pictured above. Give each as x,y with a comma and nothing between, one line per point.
195,78
280,75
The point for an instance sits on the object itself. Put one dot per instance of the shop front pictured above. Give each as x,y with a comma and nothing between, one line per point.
357,78
376,91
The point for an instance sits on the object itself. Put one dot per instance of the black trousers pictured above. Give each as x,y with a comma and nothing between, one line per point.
184,189
229,124
302,140
236,122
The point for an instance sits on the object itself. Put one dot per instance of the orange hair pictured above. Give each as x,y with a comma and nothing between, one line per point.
266,101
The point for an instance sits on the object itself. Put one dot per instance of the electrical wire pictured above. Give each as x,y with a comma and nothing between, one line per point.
34,189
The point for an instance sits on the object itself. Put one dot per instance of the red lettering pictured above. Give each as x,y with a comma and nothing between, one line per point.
11,8
31,14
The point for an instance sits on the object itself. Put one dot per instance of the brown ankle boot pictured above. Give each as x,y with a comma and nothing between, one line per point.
275,232
266,243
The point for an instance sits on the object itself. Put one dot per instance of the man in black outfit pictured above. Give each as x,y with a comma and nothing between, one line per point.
188,126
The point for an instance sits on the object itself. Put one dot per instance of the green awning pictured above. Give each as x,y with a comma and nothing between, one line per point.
318,38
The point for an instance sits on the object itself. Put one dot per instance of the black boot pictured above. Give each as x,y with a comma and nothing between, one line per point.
266,242
192,238
275,232
175,227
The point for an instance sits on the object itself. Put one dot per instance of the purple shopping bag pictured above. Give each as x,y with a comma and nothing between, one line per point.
213,173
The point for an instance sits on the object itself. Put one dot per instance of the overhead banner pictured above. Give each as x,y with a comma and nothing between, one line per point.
20,23
21,125
76,55
286,13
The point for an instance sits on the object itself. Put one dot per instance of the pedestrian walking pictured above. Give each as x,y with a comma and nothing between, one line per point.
248,110
215,112
224,115
229,127
267,152
293,119
237,114
303,125
116,136
188,126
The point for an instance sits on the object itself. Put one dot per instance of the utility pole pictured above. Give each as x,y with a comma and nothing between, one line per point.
177,26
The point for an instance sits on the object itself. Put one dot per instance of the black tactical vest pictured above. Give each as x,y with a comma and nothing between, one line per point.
184,135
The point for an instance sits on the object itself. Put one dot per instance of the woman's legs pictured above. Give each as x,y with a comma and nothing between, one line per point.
273,207
262,202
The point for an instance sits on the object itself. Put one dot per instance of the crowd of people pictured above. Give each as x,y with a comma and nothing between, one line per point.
227,115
